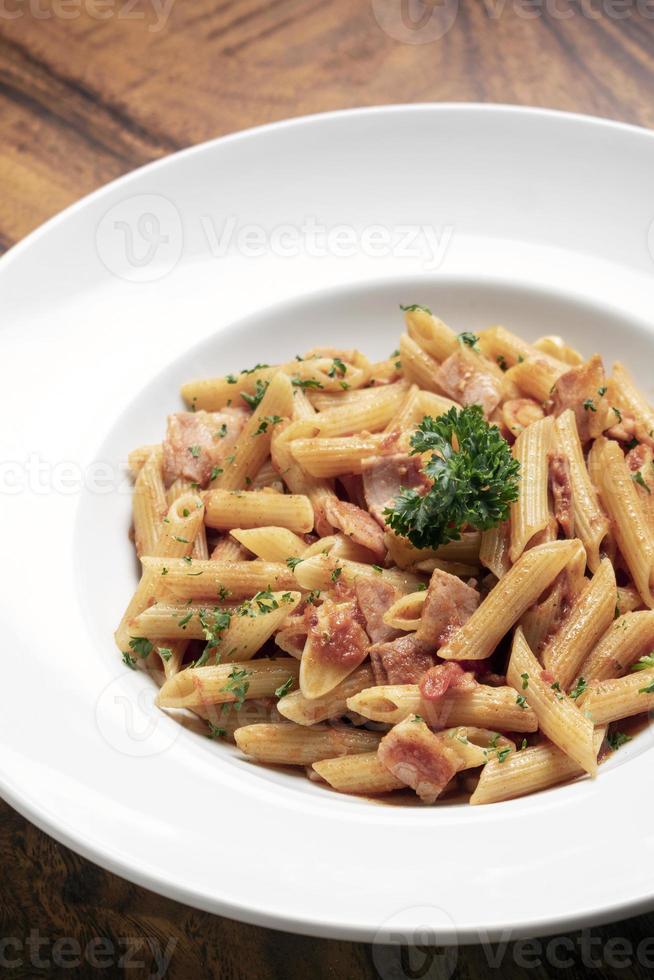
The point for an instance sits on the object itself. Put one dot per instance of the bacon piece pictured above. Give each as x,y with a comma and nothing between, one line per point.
448,605
356,524
401,661
439,679
375,597
547,677
578,387
197,441
417,757
561,485
465,378
385,476
336,634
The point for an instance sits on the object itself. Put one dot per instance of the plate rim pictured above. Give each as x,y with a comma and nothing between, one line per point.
111,860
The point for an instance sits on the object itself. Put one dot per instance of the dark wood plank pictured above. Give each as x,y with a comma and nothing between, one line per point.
85,99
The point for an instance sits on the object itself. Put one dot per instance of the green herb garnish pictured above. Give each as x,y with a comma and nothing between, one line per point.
475,479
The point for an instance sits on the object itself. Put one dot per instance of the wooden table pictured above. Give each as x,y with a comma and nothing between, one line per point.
89,91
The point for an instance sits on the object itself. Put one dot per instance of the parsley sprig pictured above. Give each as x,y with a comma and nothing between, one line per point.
475,479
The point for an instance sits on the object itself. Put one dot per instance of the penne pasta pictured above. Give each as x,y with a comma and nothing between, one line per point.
227,683
270,543
590,522
285,744
508,600
231,509
382,538
363,774
618,494
483,706
620,697
626,639
589,617
530,513
558,716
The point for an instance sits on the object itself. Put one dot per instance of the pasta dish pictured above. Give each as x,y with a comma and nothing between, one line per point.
431,573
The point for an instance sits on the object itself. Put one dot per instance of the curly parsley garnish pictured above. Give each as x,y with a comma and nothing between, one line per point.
475,479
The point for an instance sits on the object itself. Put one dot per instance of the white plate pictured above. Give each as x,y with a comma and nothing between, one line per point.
546,219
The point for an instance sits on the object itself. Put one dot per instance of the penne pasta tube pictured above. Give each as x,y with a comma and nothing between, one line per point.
298,481
590,522
618,495
224,719
270,543
431,334
231,632
558,716
286,744
406,555
325,401
590,616
325,458
536,376
508,600
171,654
267,477
227,683
228,549
339,546
371,415
180,527
305,711
432,404
494,549
619,697
630,399
218,579
227,509
483,707
323,571
418,366
138,456
149,504
405,612
362,773
530,512
557,348
252,448
527,771
626,639
505,348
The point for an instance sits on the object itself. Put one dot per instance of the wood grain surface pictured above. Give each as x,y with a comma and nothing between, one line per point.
90,89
